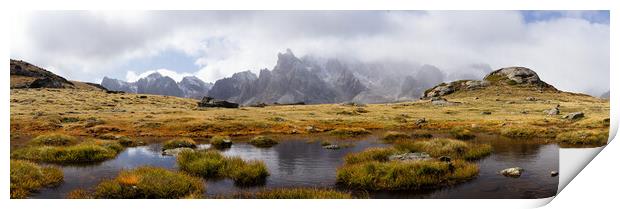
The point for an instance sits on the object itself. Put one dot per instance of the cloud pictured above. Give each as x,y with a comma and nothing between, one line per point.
569,49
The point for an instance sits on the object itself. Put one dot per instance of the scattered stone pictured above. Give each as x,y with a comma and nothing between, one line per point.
485,113
476,98
410,156
142,97
175,151
312,129
331,146
211,102
553,111
445,159
510,102
574,115
420,121
530,99
512,172
554,173
524,112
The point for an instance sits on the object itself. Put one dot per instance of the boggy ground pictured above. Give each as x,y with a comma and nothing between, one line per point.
88,113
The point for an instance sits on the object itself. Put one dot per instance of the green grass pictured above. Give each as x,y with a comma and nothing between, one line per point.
294,193
522,132
220,142
446,147
150,183
349,132
583,137
370,154
263,141
393,136
462,133
212,164
27,177
179,142
53,140
85,152
408,175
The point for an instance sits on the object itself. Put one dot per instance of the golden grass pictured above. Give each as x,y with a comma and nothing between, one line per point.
179,142
27,177
263,141
446,147
583,137
293,193
212,164
85,152
38,111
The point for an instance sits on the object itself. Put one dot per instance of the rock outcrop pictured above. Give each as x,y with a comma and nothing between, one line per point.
155,83
211,102
26,75
514,172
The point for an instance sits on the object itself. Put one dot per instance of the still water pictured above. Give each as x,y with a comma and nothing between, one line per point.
300,161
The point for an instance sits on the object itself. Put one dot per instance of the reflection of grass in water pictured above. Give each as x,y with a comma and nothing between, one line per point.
294,193
27,177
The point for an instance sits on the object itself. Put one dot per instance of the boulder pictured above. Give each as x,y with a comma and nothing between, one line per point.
512,172
530,99
514,75
554,173
211,102
485,113
574,115
420,121
553,111
445,159
410,156
448,88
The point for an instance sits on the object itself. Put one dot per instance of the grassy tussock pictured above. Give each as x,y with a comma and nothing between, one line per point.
523,132
53,140
446,147
79,194
27,177
371,154
394,135
462,133
220,141
583,137
349,132
405,175
263,141
179,142
149,183
294,193
212,164
85,152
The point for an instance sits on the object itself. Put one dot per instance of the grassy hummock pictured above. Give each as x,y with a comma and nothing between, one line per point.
179,142
446,147
349,132
370,154
27,177
212,164
583,137
462,133
294,193
220,142
53,140
408,175
263,141
85,152
150,183
394,135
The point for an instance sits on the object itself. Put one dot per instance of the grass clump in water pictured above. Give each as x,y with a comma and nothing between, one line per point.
462,133
149,183
446,147
394,135
405,175
179,142
349,132
370,154
583,137
212,164
85,152
221,142
53,140
294,193
263,141
27,177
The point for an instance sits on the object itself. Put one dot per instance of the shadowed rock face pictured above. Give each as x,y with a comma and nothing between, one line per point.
190,87
605,95
35,77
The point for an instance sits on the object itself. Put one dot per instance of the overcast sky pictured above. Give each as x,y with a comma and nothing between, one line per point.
568,49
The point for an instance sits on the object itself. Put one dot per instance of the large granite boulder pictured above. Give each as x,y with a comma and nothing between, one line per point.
210,102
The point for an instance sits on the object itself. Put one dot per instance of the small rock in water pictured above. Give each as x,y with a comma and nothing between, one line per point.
554,173
574,115
331,146
512,172
410,156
